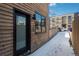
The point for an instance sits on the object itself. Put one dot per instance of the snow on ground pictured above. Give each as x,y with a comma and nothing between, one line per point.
57,46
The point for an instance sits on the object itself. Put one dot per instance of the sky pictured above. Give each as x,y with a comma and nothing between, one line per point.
56,9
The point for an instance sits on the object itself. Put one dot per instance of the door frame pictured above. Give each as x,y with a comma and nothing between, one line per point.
28,32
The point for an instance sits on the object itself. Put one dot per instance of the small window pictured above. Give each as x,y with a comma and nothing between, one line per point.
53,20
64,20
40,24
69,19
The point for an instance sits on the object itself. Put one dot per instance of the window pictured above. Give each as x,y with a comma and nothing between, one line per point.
43,24
58,18
53,20
40,25
64,19
69,19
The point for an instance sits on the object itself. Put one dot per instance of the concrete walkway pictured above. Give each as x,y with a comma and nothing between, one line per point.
57,46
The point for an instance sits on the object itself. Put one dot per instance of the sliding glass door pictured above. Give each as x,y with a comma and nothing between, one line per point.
20,31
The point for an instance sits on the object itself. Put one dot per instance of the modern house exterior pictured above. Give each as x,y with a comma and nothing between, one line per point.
24,27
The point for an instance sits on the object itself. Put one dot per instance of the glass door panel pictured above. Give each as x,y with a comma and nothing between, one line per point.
20,32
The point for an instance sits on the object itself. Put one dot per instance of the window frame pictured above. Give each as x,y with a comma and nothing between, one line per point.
14,32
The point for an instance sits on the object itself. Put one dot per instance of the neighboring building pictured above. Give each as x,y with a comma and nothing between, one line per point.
24,27
67,20
63,20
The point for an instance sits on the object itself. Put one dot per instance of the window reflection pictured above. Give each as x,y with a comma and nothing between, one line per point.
40,23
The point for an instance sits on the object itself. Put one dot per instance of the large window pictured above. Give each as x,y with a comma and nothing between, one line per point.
40,24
